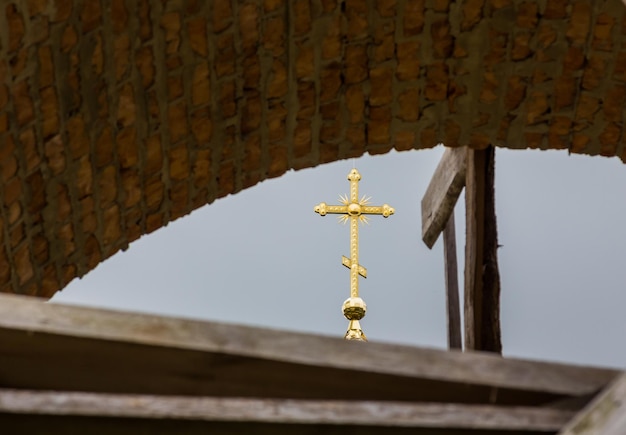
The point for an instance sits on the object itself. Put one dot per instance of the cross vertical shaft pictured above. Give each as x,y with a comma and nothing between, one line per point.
354,210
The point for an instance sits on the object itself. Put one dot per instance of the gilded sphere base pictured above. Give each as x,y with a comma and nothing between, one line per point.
354,308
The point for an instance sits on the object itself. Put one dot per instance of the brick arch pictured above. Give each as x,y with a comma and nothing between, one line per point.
117,117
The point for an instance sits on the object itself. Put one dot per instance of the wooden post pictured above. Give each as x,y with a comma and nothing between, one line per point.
482,279
437,216
452,285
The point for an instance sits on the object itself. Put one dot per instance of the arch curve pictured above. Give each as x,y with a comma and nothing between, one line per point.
118,117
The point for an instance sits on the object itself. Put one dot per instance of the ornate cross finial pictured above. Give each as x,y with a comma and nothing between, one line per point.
354,210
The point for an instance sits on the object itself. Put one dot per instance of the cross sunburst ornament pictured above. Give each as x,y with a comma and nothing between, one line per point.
354,210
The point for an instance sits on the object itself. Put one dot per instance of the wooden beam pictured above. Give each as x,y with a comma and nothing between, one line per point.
605,415
284,411
56,347
482,279
453,310
442,193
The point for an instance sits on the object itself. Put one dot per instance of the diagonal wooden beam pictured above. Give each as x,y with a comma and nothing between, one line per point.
605,415
482,278
442,193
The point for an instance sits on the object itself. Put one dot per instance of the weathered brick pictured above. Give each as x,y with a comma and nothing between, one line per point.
144,60
602,32
277,85
527,15
521,46
202,165
84,174
201,125
119,15
107,185
276,117
23,103
413,17
55,155
587,107
177,120
564,92
331,45
69,39
381,86
15,28
579,22
436,82
90,16
121,55
404,140
23,264
179,195
227,99
378,127
594,72
443,41
472,13
200,85
178,162
408,102
63,9
356,63
277,161
536,107
222,15
356,15
145,26
175,87
302,17
302,139
489,91
274,36
355,102
613,104
111,225
331,77
408,60
196,29
153,191
555,9
64,204
305,61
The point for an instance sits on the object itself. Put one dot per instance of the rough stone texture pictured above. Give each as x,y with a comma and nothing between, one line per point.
117,117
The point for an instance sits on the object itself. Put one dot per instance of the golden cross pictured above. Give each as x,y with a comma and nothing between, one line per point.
354,210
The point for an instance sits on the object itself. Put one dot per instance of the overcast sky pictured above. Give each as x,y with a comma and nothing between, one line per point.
263,257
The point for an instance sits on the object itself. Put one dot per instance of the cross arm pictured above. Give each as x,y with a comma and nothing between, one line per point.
323,209
385,210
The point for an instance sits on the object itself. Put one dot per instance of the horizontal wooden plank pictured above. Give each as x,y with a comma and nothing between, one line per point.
442,193
302,412
56,347
606,415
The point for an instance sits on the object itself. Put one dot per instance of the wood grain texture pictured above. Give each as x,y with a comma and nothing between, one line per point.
442,193
302,412
605,415
482,279
56,347
453,311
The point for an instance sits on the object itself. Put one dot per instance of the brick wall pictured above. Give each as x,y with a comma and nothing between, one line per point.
117,117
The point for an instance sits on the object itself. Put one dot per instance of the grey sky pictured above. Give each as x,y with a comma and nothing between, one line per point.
263,257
